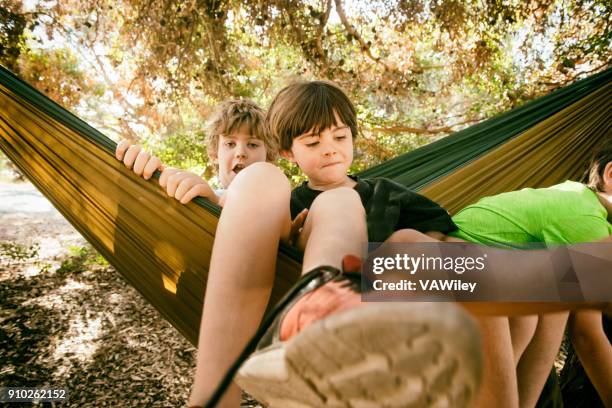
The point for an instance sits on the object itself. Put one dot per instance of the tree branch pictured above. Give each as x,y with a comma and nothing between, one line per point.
423,131
364,46
321,28
554,85
312,48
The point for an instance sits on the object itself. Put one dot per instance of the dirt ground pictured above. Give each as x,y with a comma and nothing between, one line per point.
69,320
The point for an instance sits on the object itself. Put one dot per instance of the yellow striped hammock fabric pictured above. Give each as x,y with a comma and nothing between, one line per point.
163,248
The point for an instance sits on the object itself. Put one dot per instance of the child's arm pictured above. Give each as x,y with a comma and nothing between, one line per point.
180,184
525,277
592,346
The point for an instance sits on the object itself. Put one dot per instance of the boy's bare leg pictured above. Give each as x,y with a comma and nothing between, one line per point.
335,227
537,360
586,331
499,387
241,275
522,329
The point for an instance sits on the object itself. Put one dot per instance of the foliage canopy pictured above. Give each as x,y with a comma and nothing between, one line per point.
417,70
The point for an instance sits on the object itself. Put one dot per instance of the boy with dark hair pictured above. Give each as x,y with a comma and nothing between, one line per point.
316,123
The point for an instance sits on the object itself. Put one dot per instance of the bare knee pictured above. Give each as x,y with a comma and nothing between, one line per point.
342,200
335,209
262,179
524,324
408,236
522,330
548,333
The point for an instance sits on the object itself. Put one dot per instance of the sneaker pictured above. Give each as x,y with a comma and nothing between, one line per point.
329,349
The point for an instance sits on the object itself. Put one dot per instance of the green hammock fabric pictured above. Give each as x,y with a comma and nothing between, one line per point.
163,248
428,163
553,150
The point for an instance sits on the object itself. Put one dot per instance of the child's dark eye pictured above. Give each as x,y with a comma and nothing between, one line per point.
340,137
312,144
253,145
230,144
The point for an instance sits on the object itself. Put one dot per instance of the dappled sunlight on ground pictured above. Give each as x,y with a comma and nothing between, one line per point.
81,343
30,271
56,299
114,298
74,285
68,319
60,245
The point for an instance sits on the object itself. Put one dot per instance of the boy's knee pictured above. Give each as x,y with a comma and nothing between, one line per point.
338,196
342,199
261,178
261,169
405,236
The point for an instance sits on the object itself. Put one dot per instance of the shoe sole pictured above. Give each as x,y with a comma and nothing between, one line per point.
380,355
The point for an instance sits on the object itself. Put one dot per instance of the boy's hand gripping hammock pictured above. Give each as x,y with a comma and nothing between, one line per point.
163,248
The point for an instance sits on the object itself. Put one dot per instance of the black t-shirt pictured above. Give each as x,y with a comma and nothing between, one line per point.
389,207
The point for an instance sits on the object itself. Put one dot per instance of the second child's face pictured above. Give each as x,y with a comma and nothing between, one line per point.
237,151
324,157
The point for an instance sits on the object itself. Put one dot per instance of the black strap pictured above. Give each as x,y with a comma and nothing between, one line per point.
265,325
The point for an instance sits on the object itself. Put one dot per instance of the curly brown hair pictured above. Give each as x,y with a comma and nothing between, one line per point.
231,116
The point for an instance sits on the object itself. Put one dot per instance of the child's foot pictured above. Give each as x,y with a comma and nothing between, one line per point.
328,349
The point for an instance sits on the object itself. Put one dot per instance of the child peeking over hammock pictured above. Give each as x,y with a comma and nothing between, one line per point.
236,139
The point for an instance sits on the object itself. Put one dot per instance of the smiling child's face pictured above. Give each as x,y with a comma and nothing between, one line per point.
237,151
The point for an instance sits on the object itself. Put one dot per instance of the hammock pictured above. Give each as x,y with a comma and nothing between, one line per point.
163,248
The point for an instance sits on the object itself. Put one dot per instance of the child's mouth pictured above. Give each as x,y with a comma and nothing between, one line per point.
237,168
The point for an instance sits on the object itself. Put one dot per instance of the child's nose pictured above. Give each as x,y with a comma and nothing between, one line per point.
241,151
329,150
